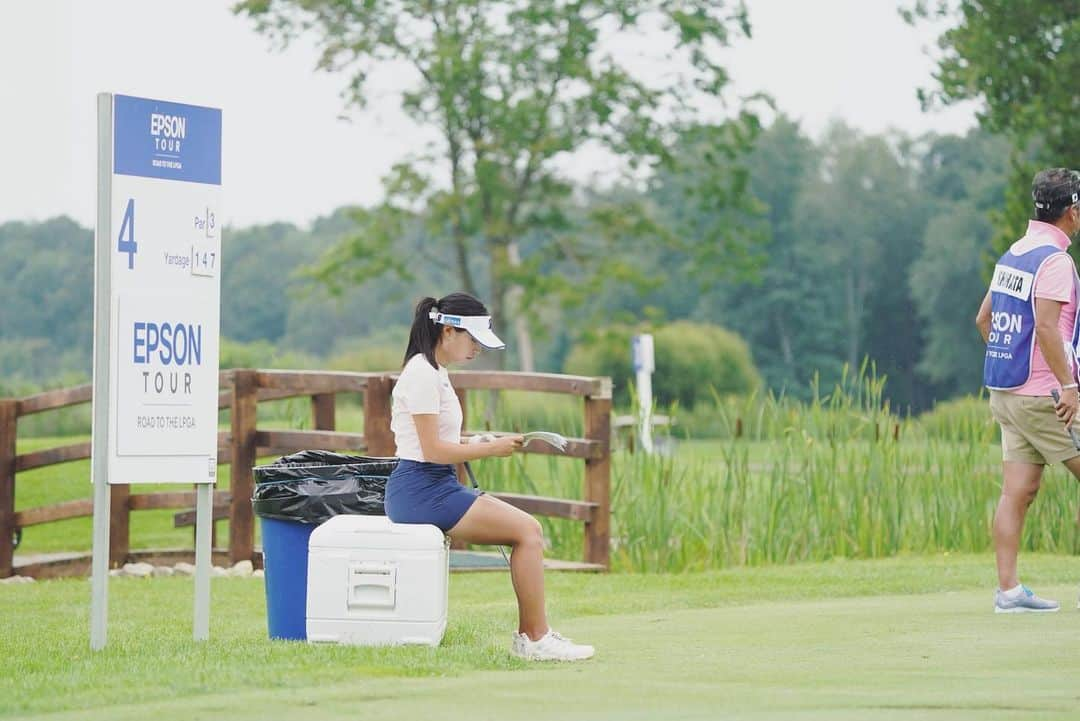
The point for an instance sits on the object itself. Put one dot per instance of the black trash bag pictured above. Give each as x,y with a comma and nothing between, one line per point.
314,486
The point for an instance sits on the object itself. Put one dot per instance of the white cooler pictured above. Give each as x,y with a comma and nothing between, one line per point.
373,582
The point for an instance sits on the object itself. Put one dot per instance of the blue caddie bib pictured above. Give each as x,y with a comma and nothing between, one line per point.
1012,319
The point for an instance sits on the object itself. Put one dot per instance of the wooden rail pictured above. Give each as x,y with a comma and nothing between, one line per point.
242,391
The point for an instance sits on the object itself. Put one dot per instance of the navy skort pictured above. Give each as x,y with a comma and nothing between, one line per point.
419,492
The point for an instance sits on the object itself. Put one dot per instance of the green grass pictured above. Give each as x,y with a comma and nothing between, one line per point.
905,638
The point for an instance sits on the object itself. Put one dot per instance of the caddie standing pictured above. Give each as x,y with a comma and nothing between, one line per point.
1029,322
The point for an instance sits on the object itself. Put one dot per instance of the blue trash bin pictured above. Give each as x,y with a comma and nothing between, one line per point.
285,561
292,497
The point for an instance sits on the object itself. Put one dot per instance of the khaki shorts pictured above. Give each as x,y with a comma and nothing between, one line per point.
1030,430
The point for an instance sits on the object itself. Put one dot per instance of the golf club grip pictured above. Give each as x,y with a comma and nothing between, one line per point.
1072,433
468,469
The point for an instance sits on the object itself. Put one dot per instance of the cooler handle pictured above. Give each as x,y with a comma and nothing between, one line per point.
372,585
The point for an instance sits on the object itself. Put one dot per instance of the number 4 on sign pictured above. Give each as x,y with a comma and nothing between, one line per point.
127,227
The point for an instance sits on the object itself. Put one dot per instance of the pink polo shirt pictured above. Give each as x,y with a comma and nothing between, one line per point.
1055,281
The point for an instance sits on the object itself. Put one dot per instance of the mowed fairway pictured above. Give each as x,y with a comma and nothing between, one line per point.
907,638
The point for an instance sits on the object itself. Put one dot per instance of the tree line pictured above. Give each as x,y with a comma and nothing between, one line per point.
857,246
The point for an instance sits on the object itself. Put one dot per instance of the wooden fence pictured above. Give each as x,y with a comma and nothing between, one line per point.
242,390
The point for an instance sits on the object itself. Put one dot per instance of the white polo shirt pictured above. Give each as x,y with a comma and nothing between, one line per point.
423,390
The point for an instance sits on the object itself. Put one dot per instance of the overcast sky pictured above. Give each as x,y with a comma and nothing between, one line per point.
289,152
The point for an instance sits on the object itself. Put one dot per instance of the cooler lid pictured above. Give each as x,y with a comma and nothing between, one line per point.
349,531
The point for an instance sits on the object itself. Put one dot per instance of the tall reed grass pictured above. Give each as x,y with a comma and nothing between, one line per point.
840,476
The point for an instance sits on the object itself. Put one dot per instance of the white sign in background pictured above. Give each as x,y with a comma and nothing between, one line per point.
164,297
644,362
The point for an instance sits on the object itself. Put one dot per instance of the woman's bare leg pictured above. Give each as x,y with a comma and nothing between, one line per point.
490,521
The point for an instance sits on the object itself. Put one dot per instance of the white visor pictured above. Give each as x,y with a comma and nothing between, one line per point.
479,327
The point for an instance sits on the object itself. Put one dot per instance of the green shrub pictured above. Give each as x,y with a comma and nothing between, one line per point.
367,358
35,362
263,354
68,421
965,419
694,361
605,352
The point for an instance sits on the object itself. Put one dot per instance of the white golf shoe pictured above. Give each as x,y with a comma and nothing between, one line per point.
1024,601
550,647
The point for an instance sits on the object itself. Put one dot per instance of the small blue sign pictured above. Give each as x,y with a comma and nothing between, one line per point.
173,141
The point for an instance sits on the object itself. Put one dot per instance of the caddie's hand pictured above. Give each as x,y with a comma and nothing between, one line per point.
506,445
1067,405
481,438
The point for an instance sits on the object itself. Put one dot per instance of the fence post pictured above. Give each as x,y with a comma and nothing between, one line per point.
378,437
119,524
598,477
322,411
241,518
7,486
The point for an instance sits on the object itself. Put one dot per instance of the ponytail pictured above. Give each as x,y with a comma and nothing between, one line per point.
424,334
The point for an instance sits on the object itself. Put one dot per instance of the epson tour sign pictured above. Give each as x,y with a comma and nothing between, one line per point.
157,283
164,259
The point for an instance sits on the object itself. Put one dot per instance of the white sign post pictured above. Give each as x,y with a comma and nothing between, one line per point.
157,287
644,364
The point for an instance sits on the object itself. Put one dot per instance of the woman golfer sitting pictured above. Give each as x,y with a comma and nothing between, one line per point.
424,488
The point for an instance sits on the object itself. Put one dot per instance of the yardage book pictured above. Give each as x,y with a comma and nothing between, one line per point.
552,439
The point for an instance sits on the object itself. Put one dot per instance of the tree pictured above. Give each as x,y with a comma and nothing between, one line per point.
256,295
779,309
514,89
858,209
946,285
46,287
784,315
840,225
278,302
1020,59
964,177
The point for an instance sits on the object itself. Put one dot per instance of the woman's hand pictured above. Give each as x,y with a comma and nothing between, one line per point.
504,445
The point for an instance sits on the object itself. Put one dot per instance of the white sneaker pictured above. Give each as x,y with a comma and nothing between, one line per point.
550,647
